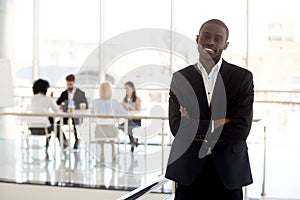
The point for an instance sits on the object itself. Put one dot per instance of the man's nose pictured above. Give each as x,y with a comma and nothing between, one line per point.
210,41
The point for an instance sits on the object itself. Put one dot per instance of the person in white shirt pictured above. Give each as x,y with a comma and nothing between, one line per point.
40,103
106,105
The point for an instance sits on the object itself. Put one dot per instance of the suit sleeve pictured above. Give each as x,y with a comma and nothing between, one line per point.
79,97
181,127
242,112
174,113
61,99
85,100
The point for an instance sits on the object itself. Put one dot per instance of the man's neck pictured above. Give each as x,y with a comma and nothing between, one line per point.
208,64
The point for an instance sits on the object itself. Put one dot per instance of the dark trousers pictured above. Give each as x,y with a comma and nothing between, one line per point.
73,123
131,124
130,135
207,186
57,128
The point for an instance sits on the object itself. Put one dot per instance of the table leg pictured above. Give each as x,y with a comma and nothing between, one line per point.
90,135
61,139
263,192
162,150
125,142
126,133
55,134
70,128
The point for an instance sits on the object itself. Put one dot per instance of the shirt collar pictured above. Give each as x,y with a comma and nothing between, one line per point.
73,91
215,68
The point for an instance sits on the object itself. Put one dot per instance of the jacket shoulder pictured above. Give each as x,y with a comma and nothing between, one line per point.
64,93
79,91
237,69
187,70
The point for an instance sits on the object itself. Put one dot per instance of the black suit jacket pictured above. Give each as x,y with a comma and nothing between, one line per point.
79,97
232,98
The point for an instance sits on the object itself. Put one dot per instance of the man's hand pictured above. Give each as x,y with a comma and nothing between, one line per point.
184,113
221,122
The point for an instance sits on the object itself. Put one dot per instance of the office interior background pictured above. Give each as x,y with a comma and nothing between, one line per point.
50,39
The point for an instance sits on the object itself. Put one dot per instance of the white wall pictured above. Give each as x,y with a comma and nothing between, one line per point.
7,123
6,84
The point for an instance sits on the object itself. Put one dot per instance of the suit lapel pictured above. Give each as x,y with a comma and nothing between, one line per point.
219,94
196,81
225,73
66,95
219,99
223,79
75,95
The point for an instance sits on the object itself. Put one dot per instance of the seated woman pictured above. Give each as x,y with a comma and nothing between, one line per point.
132,102
106,128
40,103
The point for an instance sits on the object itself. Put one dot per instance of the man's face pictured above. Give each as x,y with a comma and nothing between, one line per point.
212,40
70,85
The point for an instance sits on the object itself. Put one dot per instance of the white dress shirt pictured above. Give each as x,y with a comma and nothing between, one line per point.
209,80
71,94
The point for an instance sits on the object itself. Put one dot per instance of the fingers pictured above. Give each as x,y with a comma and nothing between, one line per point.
184,112
181,110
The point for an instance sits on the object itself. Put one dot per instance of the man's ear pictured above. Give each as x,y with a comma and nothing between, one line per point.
226,45
197,38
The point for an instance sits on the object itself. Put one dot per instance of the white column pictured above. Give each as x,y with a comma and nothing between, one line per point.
35,59
7,123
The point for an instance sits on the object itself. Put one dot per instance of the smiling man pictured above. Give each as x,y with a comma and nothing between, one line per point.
210,115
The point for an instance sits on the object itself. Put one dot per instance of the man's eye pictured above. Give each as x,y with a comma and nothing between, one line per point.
206,36
218,39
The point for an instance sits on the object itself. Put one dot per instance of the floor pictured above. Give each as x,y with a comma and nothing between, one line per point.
129,171
132,170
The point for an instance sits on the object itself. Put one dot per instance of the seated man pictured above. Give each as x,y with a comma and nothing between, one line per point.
75,95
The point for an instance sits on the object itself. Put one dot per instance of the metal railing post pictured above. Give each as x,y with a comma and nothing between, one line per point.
263,192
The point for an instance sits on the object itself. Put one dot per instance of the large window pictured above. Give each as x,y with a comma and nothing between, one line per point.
20,51
68,33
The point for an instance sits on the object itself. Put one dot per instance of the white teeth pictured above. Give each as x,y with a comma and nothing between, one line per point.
208,50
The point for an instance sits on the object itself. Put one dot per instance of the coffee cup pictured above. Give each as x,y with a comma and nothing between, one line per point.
82,106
